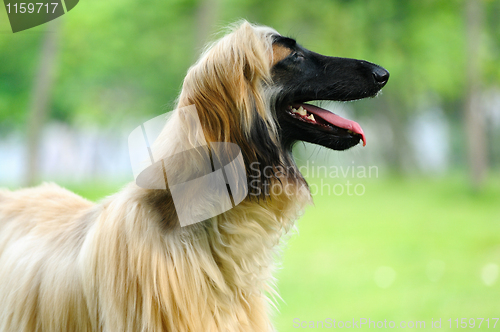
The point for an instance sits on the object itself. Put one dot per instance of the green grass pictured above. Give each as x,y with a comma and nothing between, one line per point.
328,269
409,225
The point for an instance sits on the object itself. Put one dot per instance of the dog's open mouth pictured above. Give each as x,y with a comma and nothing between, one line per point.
325,120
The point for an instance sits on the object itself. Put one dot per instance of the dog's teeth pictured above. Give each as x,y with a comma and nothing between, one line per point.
302,111
311,117
294,110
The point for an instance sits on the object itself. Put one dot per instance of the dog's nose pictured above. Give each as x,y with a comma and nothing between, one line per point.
381,75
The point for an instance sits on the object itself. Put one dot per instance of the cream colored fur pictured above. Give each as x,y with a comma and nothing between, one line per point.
124,264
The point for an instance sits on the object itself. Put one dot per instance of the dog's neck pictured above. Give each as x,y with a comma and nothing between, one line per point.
228,258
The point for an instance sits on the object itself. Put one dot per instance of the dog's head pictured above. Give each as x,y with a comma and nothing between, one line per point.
300,75
251,88
255,80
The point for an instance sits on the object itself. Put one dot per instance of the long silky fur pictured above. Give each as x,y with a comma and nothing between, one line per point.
125,264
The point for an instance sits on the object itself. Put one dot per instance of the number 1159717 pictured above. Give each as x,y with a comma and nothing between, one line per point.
31,7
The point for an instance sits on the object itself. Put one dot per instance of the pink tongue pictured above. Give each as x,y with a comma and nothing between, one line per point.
335,120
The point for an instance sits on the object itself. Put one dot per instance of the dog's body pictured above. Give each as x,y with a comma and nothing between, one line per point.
125,264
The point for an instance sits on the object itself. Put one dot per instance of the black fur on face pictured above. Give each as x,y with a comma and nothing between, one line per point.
301,76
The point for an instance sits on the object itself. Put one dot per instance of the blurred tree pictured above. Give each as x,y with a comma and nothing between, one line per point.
41,99
206,17
474,114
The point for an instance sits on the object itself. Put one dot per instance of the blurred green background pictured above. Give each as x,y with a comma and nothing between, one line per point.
421,242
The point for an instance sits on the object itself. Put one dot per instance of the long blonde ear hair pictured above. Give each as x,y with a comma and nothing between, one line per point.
229,87
227,84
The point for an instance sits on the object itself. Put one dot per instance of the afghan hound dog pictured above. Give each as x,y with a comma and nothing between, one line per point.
126,263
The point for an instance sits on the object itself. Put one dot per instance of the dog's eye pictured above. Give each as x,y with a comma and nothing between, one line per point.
297,56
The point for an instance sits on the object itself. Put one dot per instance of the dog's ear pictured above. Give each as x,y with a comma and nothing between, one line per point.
227,84
228,88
